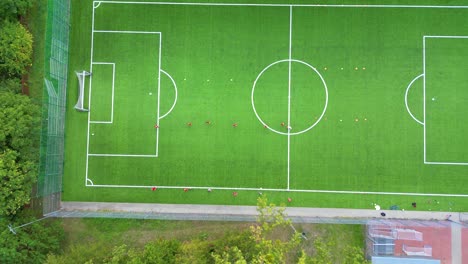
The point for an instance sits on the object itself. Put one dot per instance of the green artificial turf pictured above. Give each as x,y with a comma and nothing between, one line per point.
365,141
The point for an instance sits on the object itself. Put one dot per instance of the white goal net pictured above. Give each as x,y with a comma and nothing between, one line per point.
81,76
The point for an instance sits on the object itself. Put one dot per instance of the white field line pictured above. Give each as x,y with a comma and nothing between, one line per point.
252,98
406,99
159,93
113,85
121,155
280,190
100,122
286,5
89,99
448,37
127,32
289,93
90,181
175,88
446,163
113,82
424,95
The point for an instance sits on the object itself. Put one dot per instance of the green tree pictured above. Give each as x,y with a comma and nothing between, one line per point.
20,125
322,253
230,256
10,85
233,243
15,49
270,219
14,8
354,255
19,119
158,252
30,244
16,182
193,252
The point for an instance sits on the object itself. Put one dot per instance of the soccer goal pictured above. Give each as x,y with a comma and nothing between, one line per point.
81,76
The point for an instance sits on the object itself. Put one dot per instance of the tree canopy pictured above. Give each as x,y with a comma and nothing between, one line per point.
19,119
15,49
14,8
30,244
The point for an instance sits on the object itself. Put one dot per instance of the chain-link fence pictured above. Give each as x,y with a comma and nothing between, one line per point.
53,105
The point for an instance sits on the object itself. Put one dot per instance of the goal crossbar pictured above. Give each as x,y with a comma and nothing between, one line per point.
81,76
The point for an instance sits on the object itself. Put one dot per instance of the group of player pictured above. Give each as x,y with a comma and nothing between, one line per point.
208,122
234,194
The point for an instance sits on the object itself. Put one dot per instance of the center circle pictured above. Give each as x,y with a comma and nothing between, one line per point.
289,61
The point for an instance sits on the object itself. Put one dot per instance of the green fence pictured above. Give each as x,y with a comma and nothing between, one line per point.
54,104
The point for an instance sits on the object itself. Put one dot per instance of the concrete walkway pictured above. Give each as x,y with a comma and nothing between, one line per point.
297,214
456,243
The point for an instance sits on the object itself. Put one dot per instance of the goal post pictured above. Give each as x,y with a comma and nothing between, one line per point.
81,78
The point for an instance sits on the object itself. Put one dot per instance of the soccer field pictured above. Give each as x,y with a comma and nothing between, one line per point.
330,105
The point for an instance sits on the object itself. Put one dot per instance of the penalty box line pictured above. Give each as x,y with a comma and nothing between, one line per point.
90,92
275,190
424,99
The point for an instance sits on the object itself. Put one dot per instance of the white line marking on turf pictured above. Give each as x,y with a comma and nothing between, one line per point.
281,190
406,99
446,163
100,122
159,93
90,182
279,132
448,37
289,92
424,95
96,2
175,88
127,32
89,99
121,155
113,85
286,5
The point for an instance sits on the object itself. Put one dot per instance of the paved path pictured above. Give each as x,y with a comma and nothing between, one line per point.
297,214
456,243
